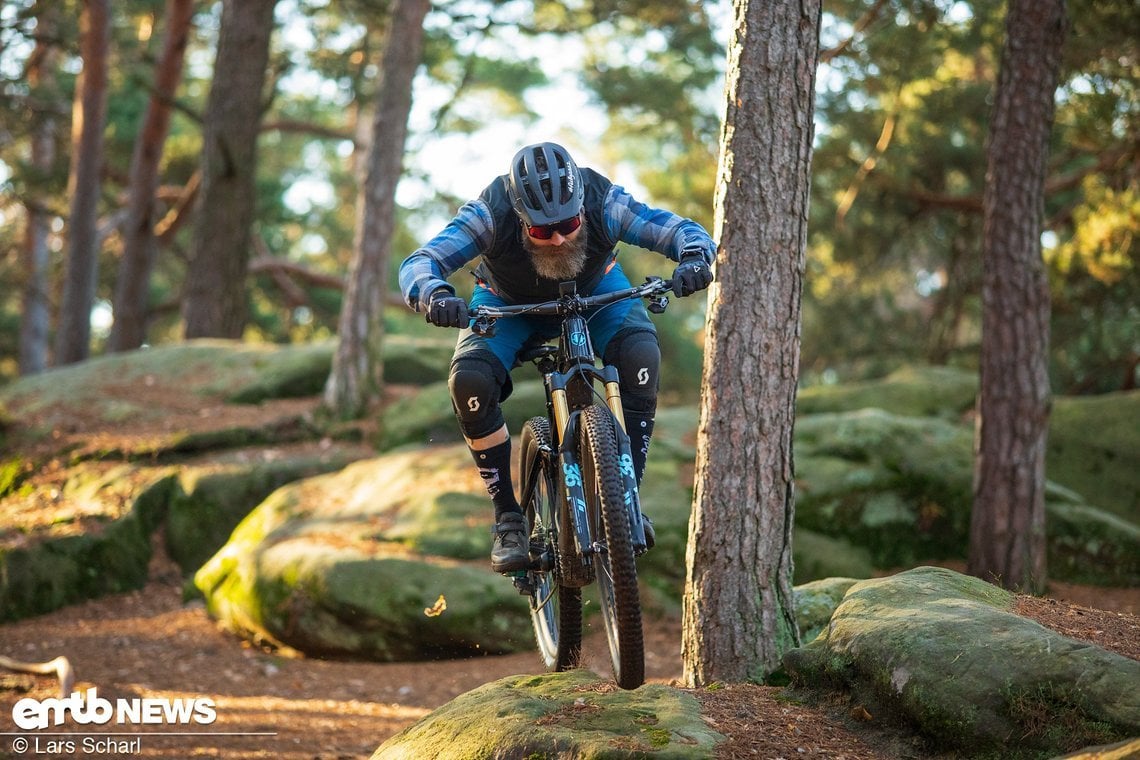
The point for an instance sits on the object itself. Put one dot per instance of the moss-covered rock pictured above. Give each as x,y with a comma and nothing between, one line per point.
1089,545
1093,448
211,500
558,715
412,360
942,651
302,370
816,602
95,540
335,565
898,486
917,391
287,372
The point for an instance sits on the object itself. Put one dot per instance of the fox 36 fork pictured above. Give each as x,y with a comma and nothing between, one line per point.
566,423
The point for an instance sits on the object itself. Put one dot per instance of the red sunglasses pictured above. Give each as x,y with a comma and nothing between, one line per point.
546,231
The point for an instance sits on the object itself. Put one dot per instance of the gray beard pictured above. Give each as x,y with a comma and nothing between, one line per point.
559,263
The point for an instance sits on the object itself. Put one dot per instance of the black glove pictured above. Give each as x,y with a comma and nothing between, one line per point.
691,275
447,310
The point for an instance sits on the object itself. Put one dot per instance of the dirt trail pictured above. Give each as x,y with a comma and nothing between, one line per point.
149,644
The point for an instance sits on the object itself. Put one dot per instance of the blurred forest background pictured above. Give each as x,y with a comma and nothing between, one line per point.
632,88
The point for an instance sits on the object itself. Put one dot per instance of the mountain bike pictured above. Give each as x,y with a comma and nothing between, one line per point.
578,487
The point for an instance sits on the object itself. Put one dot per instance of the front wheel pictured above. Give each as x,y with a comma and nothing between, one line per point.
555,610
613,556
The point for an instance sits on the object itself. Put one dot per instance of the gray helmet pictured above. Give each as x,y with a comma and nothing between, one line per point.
545,185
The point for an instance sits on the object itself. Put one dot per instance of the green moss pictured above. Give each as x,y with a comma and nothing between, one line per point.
1056,717
12,473
208,503
559,715
914,391
1092,448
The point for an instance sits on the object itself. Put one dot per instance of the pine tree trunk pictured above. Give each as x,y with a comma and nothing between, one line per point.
214,302
739,617
35,307
356,377
139,244
73,335
1007,529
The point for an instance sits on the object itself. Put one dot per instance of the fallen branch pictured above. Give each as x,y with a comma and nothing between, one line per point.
60,667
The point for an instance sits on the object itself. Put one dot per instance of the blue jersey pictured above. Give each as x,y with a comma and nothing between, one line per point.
488,227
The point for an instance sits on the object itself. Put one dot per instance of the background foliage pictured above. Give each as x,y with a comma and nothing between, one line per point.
902,112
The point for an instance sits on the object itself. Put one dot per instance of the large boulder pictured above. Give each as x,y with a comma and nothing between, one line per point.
87,531
915,391
901,488
82,534
571,714
367,562
943,651
210,499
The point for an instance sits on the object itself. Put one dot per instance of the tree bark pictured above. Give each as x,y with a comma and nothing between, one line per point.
215,297
132,288
738,614
35,307
357,371
73,335
1007,528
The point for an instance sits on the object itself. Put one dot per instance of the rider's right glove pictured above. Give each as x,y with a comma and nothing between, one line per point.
691,275
447,310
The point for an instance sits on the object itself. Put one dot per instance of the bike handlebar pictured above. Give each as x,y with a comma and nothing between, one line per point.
569,304
483,317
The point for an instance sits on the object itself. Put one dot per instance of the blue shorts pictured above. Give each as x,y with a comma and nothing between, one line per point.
514,333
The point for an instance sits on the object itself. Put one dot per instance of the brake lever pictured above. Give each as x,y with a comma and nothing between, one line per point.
657,303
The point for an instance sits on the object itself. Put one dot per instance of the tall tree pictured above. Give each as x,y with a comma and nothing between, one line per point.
139,243
738,616
35,311
214,302
73,335
356,374
1007,527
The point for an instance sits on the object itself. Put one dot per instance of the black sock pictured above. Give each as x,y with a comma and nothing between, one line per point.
495,468
639,425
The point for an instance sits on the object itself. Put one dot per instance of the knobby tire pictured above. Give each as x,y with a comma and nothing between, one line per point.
616,568
558,625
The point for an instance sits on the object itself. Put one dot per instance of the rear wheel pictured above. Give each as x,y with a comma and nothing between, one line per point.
613,557
555,610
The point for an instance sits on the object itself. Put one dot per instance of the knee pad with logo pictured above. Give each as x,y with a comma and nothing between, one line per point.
638,360
476,383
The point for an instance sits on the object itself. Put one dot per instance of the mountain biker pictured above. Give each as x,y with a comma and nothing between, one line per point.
544,222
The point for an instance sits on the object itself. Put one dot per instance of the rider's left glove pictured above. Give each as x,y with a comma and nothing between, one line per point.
691,275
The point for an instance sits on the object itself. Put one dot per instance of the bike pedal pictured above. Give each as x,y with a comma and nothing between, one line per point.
522,582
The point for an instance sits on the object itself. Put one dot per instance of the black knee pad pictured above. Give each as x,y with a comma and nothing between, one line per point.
638,360
476,383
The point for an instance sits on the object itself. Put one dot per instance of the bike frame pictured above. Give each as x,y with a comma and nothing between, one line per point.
570,374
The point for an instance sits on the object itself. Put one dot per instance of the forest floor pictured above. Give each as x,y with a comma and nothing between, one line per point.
149,643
